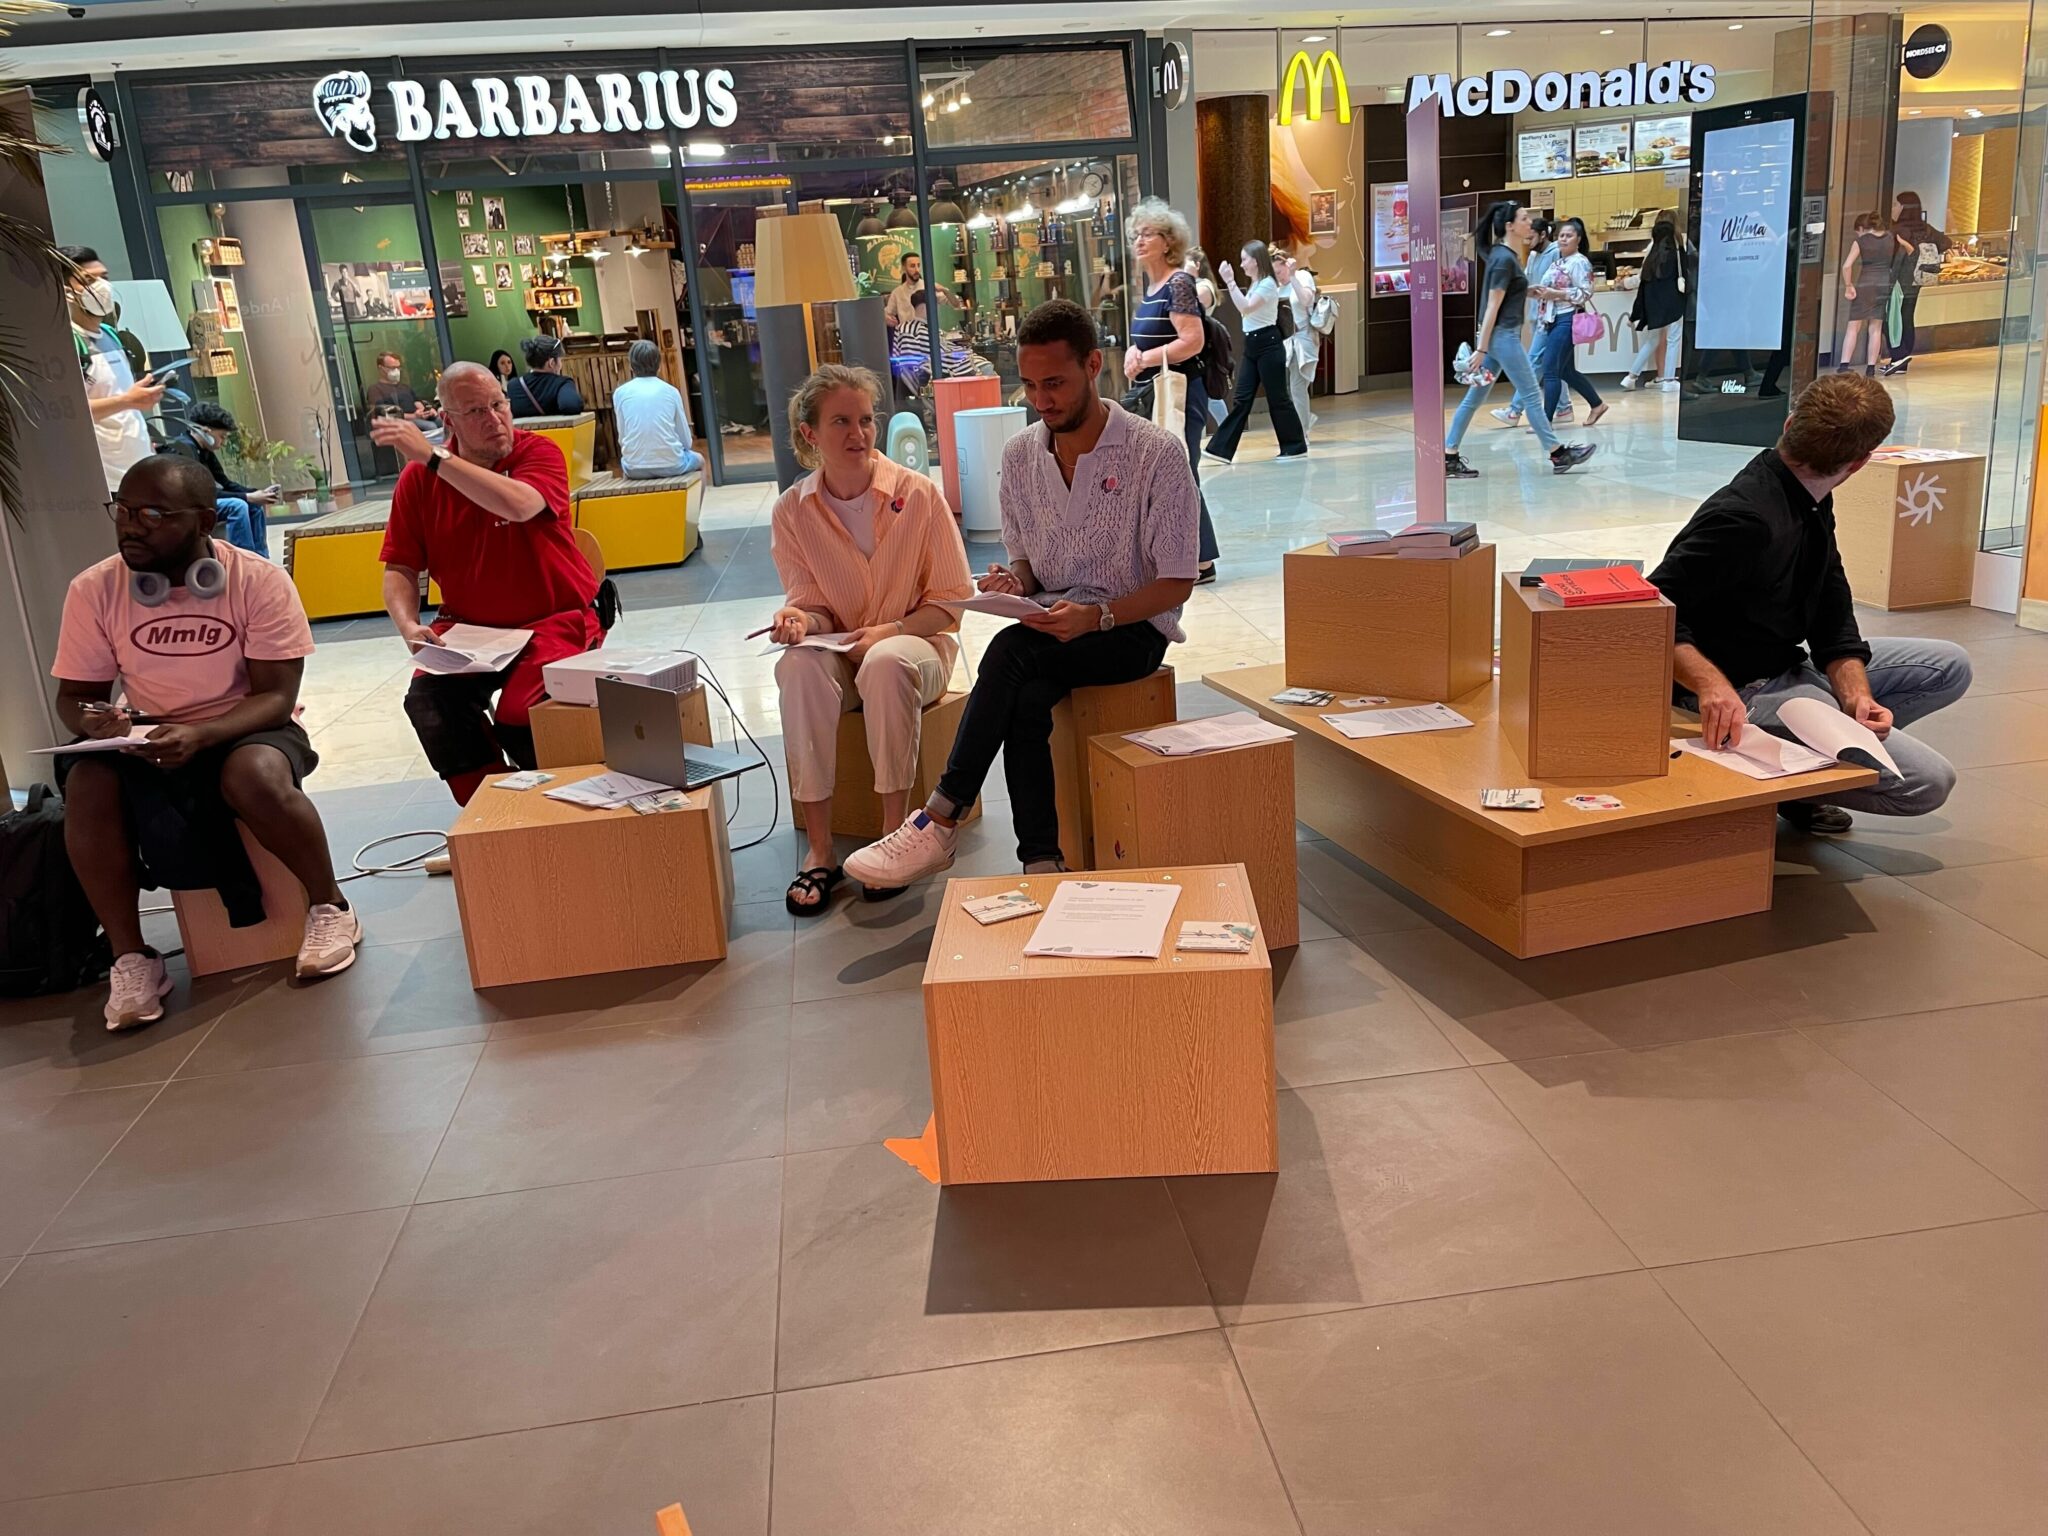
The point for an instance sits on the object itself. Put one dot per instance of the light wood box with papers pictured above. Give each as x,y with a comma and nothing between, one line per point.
565,735
548,889
1907,530
1045,1067
1076,720
1232,804
1585,693
1417,629
856,808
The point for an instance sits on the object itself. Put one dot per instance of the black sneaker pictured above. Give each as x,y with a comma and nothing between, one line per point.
1816,820
1569,456
1896,365
1455,468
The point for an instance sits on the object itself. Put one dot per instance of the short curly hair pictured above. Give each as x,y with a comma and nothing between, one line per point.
204,413
1836,420
809,399
1169,223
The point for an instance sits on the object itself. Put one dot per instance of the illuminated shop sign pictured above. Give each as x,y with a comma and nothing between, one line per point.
1507,91
527,106
1299,68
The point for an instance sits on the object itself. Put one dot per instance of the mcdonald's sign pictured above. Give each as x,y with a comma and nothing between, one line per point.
1313,73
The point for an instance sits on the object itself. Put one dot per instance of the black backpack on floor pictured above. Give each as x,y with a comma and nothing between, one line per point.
49,939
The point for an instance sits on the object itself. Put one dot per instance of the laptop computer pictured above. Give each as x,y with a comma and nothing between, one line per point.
643,736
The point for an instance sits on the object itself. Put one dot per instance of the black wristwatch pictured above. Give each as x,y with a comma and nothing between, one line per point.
439,456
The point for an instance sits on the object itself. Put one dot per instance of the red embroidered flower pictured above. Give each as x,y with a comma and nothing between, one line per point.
1109,484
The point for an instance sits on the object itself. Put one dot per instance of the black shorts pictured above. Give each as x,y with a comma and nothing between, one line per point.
201,776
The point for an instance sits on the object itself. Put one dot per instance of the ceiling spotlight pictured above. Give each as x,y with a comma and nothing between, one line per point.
952,106
705,149
1971,112
928,101
1607,31
1316,37
965,99
888,139
1734,26
1912,111
636,248
1501,32
598,253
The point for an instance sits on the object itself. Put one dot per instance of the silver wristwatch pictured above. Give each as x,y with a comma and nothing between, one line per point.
1108,621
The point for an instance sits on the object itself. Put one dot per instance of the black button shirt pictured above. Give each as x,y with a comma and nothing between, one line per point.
1757,580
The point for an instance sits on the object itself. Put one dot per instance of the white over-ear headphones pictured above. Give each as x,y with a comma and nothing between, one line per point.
206,578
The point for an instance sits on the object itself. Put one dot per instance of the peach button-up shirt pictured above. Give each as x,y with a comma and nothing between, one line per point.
918,556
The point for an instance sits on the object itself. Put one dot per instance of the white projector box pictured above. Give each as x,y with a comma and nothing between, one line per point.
573,680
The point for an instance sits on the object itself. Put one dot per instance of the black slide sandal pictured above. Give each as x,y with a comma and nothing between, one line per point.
818,881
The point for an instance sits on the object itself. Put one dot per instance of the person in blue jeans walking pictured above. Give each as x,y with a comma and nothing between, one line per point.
1500,243
1765,614
1563,290
241,509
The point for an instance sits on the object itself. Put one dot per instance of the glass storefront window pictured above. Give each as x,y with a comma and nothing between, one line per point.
1036,96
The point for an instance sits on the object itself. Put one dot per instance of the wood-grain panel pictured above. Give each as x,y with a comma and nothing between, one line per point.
1086,713
1381,624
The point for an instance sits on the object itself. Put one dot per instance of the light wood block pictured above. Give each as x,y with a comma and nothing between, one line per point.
1047,1068
211,946
1235,805
1078,718
1692,845
1586,692
1908,532
548,890
856,808
567,734
1419,629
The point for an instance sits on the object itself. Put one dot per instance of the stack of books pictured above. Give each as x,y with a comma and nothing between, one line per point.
1589,589
1436,541
1363,541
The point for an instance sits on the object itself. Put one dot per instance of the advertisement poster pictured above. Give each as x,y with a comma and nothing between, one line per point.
1322,213
1426,311
1600,149
1389,225
1663,141
1545,155
1454,238
1745,220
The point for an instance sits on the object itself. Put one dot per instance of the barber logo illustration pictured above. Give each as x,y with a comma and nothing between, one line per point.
342,101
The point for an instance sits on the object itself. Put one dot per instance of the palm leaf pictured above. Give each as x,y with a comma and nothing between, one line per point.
28,249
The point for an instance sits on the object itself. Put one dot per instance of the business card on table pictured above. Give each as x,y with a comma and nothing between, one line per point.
1364,701
1000,908
1313,698
1593,803
532,778
1217,938
661,800
1511,799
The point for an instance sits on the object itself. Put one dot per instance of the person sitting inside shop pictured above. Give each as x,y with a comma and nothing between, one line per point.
489,519
653,423
208,644
389,394
1100,522
1765,614
241,508
543,390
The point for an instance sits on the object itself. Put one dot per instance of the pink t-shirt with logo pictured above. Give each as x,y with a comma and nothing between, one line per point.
188,658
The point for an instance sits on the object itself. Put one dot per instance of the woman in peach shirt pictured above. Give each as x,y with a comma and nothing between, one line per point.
864,548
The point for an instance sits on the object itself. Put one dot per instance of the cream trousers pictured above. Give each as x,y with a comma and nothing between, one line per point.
890,688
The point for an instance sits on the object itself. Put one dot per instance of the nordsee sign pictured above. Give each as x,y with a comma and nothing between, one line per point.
1507,91
528,106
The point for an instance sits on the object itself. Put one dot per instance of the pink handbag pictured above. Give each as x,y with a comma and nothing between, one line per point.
1587,326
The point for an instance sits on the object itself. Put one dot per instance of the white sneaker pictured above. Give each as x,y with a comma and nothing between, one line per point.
1563,416
1506,415
1669,386
136,990
332,934
918,848
1630,381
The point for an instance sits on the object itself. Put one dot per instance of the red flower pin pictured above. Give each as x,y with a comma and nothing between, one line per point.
1109,484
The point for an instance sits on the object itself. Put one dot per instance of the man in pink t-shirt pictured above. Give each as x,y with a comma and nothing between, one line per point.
209,672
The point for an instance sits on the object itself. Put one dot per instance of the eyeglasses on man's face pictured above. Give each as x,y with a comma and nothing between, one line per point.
478,413
150,518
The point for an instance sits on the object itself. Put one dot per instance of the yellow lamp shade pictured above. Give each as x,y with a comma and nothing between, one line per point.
800,258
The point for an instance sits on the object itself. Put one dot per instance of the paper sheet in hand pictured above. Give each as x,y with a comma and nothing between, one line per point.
1190,738
1398,722
602,791
1759,754
471,648
136,736
839,641
1105,920
1004,605
1826,729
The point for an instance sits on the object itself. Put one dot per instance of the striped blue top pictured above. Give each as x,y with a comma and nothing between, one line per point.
1152,321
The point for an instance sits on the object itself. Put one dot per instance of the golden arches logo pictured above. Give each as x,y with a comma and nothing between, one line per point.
1326,62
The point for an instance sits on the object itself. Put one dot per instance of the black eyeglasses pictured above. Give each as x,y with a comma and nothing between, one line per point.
147,517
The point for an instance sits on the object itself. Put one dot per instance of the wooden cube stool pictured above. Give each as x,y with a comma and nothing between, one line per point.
1410,629
1907,527
547,889
1056,1068
212,946
567,734
1585,693
1079,717
1236,805
856,808
640,523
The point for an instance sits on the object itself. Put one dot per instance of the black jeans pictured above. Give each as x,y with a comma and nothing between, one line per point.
1023,675
1194,422
452,717
1909,300
1264,363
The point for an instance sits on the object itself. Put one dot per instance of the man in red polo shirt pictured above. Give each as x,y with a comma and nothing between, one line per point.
490,520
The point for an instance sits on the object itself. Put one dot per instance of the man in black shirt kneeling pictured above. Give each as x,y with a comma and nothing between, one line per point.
1765,613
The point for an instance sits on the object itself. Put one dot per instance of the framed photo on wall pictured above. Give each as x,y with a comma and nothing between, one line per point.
478,244
498,246
490,298
462,218
1322,212
522,245
504,274
494,213
464,199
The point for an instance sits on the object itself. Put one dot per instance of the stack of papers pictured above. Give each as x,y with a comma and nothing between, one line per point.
471,648
1105,920
137,735
1829,736
1398,722
1004,605
840,641
1759,754
607,791
1190,738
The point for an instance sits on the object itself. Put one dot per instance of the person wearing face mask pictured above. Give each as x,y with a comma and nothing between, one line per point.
119,402
390,390
240,507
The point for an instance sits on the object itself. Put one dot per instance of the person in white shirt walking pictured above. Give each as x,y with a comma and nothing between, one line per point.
119,402
1263,364
652,421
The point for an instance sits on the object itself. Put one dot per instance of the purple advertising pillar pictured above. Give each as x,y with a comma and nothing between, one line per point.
1426,307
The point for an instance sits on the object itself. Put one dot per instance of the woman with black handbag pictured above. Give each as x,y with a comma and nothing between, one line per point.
1166,332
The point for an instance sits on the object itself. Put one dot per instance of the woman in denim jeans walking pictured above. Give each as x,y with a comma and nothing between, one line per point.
1501,242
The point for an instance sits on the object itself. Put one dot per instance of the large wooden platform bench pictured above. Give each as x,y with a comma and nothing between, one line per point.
638,523
575,435
1692,845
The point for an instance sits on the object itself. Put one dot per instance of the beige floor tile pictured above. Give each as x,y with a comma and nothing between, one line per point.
604,1476
2009,898
1979,1076
1980,730
1978,825
857,1071
49,1144
1389,1190
2016,663
1339,1015
60,1041
1551,1410
232,1504
346,771
863,946
173,1359
1355,898
2029,781
283,1144
1908,1369
1729,1146
553,1305
1156,1435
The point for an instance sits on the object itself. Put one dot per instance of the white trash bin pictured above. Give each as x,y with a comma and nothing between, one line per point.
978,437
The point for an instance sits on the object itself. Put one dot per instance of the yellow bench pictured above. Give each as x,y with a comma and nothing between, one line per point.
639,523
575,435
336,561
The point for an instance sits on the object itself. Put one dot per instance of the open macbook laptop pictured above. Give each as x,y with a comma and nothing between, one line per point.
643,736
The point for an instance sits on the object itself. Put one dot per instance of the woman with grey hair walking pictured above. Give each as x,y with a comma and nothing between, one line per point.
1167,334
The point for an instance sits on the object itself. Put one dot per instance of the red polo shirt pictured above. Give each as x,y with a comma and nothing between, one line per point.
505,575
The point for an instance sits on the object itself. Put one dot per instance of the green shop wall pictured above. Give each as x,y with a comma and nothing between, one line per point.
534,211
378,232
183,225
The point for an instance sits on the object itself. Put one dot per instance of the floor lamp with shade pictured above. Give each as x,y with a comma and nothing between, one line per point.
800,260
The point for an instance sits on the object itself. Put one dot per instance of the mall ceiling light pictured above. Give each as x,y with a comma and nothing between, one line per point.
965,99
1023,211
1734,26
888,139
1501,32
1607,31
953,105
636,248
705,149
1314,37
929,101
901,217
1912,111
981,220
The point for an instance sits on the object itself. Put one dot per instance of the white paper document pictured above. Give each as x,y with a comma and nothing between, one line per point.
471,648
1105,920
1004,605
840,641
136,736
1398,722
603,791
1758,754
1826,729
1190,738
1829,737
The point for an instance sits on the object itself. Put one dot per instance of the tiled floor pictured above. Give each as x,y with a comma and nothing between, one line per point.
1734,1231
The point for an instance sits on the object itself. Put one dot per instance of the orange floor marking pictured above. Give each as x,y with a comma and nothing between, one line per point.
921,1152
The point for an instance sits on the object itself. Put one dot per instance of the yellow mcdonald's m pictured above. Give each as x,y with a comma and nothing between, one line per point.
1326,61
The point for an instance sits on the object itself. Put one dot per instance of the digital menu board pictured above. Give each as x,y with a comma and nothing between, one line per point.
1745,228
1600,149
1663,142
1545,155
